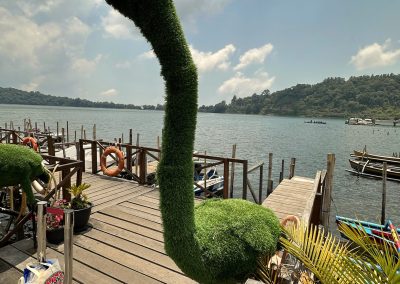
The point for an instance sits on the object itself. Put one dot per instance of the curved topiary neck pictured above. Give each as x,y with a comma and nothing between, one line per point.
160,25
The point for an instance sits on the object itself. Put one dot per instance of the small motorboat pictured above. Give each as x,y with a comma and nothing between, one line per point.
206,182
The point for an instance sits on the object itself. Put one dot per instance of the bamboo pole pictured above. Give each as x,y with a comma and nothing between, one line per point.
232,170
384,177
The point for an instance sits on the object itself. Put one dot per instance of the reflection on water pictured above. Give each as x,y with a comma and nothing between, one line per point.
255,137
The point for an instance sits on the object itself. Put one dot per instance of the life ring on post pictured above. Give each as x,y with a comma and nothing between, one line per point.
103,161
32,141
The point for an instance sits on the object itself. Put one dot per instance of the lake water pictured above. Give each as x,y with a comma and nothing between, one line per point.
255,137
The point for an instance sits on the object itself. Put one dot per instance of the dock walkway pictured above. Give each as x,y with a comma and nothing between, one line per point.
123,245
293,197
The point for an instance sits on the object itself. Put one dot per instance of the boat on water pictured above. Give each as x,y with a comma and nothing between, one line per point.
375,168
363,155
381,233
211,181
360,121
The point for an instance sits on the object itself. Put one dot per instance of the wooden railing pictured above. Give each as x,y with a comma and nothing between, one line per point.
137,158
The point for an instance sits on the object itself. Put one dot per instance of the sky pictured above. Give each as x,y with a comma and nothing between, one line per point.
88,50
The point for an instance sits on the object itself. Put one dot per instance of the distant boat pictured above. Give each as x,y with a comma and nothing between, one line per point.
366,156
315,121
360,121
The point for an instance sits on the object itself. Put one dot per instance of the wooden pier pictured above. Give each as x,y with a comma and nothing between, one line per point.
123,245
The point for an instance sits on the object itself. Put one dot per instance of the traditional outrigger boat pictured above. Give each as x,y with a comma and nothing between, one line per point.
381,233
363,155
374,168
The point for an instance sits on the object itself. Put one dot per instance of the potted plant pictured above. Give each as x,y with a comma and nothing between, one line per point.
55,223
81,205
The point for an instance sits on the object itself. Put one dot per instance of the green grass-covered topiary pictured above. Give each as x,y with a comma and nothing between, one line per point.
187,242
20,165
232,234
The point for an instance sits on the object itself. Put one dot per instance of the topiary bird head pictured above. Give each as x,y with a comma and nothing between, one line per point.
21,165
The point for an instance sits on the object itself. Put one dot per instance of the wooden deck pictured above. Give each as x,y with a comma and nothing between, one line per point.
293,197
123,245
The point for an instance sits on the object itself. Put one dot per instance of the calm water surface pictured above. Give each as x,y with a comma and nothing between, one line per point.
255,137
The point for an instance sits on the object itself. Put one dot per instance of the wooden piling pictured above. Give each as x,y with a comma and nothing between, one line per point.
158,147
94,131
67,133
232,171
326,203
384,177
260,185
137,156
270,183
63,141
291,168
282,171
130,137
82,132
57,129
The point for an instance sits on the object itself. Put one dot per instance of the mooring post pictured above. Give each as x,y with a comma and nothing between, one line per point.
130,137
67,133
68,245
226,179
57,129
384,177
282,171
41,231
326,202
244,196
94,131
270,183
260,189
232,171
291,168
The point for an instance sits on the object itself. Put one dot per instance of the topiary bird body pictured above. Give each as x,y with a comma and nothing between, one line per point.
209,247
20,165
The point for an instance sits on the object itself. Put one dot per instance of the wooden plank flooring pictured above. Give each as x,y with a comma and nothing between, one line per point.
292,197
124,243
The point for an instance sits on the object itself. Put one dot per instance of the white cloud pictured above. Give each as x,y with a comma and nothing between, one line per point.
255,55
109,93
123,65
33,85
119,27
34,7
189,10
206,61
243,86
147,55
85,66
375,55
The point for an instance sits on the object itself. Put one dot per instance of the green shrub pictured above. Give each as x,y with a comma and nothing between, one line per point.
232,234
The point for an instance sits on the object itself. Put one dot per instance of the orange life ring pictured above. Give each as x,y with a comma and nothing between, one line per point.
32,141
290,218
103,161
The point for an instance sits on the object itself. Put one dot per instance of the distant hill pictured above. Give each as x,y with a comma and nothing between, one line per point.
15,96
376,96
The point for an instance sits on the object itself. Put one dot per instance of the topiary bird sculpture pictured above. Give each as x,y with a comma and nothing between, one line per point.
219,241
21,165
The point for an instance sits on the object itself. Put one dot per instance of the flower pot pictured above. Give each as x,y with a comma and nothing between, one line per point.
55,236
81,218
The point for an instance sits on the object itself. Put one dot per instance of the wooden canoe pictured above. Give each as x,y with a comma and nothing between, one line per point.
374,168
365,156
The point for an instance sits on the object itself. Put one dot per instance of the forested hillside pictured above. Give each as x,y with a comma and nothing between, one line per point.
366,96
15,96
376,96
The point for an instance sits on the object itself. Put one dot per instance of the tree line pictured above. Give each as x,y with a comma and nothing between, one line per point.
15,96
375,96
